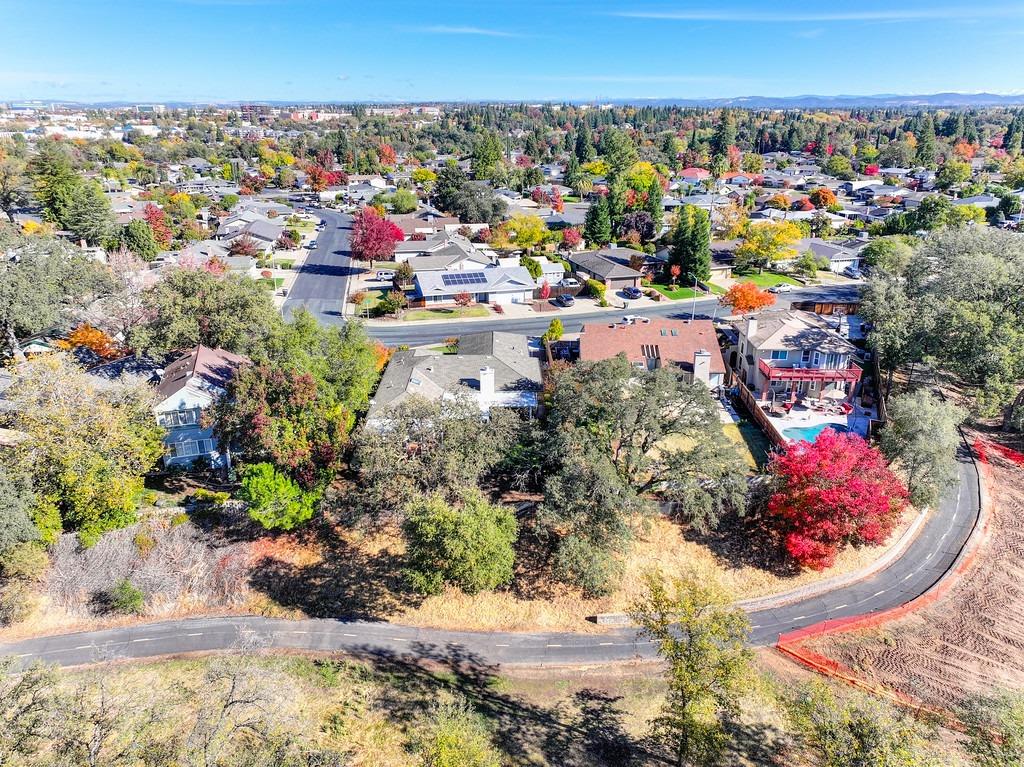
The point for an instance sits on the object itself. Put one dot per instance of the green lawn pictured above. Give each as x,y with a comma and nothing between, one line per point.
369,303
718,290
765,279
458,313
676,293
753,445
271,282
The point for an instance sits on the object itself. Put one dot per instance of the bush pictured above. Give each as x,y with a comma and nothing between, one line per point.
275,500
592,569
212,497
126,598
179,519
144,543
597,290
26,562
469,546
286,264
16,603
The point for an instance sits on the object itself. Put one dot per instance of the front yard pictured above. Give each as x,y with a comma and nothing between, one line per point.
675,293
765,279
456,313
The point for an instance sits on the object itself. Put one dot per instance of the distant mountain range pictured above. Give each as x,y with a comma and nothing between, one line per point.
881,100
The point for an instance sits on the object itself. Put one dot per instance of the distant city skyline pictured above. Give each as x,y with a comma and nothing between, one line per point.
456,50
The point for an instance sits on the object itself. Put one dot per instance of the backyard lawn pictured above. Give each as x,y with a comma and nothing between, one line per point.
458,313
753,445
765,279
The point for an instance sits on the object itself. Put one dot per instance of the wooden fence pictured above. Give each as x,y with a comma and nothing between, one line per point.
753,406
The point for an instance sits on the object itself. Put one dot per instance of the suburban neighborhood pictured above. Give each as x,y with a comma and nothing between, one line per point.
445,429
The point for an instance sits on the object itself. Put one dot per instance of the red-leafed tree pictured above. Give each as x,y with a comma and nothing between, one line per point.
157,221
557,203
540,197
244,246
386,153
871,170
316,178
572,237
835,491
463,298
545,290
746,297
373,237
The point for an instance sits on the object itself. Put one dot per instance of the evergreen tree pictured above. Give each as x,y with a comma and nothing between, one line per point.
821,143
89,216
654,205
725,134
585,151
597,228
691,245
927,153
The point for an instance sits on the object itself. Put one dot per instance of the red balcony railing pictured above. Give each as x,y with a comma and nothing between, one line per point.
851,373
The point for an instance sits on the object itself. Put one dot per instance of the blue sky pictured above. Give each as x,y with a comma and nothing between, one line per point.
337,50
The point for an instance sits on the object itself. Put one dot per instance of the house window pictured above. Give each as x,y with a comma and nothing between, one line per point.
780,354
180,418
832,360
805,355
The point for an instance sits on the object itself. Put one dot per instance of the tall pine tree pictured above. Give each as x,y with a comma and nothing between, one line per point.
597,227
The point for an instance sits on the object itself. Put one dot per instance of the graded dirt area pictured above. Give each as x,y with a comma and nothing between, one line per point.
972,640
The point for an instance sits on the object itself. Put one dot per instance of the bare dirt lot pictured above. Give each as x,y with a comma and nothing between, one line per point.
972,640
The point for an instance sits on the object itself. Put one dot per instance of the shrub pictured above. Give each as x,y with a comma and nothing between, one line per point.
286,264
211,497
126,598
16,603
144,543
597,290
179,519
26,562
593,570
275,500
469,546
554,331
498,308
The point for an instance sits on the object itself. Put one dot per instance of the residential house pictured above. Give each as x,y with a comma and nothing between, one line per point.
792,354
494,285
494,369
425,221
444,244
841,254
190,385
648,343
609,266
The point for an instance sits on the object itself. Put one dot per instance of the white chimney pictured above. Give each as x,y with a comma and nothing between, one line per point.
487,382
702,366
751,327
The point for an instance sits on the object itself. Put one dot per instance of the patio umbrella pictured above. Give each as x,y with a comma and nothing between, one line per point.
833,393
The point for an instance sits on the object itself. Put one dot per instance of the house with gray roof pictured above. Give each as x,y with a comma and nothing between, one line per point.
609,266
493,369
494,285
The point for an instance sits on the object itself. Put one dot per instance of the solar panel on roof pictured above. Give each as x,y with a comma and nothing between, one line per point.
451,279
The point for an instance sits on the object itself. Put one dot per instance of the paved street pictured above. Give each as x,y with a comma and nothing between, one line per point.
320,285
930,555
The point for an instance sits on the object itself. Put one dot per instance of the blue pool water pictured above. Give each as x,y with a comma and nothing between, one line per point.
810,433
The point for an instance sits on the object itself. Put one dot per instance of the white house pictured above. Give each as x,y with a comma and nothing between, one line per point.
187,387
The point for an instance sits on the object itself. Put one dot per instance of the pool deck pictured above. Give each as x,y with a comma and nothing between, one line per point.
805,417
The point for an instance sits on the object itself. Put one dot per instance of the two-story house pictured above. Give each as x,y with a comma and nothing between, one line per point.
188,386
791,354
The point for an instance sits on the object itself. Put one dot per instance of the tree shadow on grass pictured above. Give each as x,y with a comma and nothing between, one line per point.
585,730
345,582
746,542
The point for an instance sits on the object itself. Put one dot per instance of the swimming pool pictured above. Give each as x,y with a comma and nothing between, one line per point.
810,433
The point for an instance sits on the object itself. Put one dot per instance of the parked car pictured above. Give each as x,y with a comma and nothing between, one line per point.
852,272
312,245
386,275
565,300
632,292
570,282
782,287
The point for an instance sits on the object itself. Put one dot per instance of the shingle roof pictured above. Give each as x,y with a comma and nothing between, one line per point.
209,369
607,263
675,341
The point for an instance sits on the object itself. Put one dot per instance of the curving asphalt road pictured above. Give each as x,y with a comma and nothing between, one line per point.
924,562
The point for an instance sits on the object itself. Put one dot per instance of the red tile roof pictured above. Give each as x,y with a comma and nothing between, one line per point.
674,341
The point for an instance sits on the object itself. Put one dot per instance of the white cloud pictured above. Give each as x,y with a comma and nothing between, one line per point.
894,14
442,29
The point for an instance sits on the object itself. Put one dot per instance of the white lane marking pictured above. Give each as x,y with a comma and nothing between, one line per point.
146,639
23,655
294,631
553,645
349,635
878,593
605,644
799,617
83,647
501,645
840,607
755,626
195,634
398,639
908,576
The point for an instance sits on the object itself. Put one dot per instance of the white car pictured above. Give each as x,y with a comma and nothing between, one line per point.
782,287
570,282
385,274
